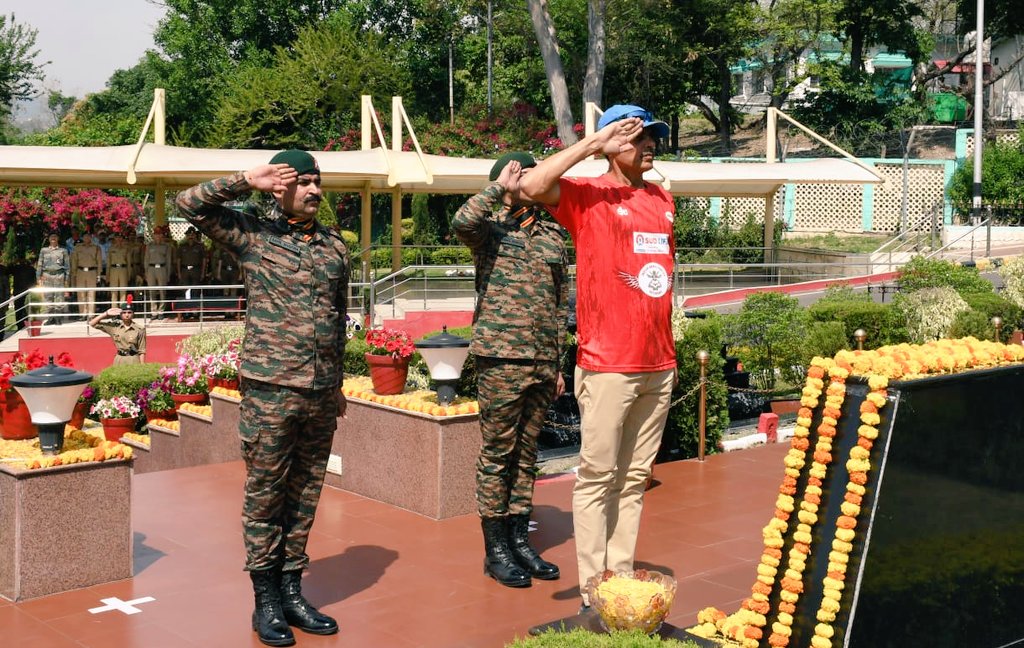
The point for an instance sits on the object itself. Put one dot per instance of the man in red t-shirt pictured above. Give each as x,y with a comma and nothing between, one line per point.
622,228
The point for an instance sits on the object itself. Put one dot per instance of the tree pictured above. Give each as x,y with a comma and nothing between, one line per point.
544,27
865,23
18,66
59,105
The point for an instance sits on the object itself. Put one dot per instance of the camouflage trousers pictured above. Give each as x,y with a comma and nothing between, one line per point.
57,298
286,435
514,397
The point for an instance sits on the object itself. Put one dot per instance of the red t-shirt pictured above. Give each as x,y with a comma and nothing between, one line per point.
624,262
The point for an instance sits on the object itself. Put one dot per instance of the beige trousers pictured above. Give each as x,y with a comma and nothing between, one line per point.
623,417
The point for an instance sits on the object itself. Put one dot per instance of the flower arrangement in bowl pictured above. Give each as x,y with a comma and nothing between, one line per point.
388,341
118,407
631,600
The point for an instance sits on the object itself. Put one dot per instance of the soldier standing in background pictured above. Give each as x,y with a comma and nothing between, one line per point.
519,327
86,264
157,261
226,270
53,270
137,272
119,264
191,260
296,272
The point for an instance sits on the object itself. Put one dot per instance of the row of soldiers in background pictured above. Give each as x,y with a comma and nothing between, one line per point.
131,263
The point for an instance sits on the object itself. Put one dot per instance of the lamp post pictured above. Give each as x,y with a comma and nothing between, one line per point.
50,393
703,357
997,322
444,354
860,335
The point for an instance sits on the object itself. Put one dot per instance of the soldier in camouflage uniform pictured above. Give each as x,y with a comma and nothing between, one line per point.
296,277
519,323
53,270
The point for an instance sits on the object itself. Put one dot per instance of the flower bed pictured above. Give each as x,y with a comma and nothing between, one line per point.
199,410
421,400
137,438
79,447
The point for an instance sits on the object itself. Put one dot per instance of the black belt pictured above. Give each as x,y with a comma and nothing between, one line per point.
127,353
86,269
119,265
53,272
156,265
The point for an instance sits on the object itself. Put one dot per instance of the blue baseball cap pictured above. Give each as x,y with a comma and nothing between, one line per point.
624,111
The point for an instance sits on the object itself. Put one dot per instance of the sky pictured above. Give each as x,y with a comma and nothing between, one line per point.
86,40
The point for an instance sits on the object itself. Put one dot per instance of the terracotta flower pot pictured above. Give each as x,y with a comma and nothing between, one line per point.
226,383
115,428
165,415
17,422
196,399
35,327
388,374
78,416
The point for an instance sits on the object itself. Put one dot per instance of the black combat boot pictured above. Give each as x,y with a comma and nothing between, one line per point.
528,559
499,563
268,618
297,609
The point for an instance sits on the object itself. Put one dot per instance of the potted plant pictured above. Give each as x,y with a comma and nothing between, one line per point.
17,422
156,401
82,407
223,369
187,380
118,416
388,359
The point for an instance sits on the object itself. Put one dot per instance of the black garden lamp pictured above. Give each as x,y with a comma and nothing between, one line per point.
50,393
444,354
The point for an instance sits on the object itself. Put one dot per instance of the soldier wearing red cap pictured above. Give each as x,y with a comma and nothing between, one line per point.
129,338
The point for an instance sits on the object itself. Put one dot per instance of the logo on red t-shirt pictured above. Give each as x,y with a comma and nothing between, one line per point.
652,280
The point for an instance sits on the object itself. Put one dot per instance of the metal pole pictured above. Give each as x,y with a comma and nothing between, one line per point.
703,357
906,180
490,40
451,89
979,108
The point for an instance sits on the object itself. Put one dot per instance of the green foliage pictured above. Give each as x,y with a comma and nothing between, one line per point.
1012,273
580,638
920,273
1001,172
768,332
451,256
824,339
994,305
882,324
211,341
125,380
682,431
975,324
18,67
702,239
929,312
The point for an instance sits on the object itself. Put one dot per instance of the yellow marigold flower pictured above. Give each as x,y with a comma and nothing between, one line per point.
820,642
767,580
876,399
817,470
784,503
832,583
789,597
843,546
809,401
849,508
792,472
870,418
771,561
794,574
781,628
878,382
777,525
868,432
830,605
804,538
766,570
803,422
815,383
858,465
787,619
797,562
824,615
839,568
801,432
857,452
807,516
803,528
810,507
829,420
813,490
846,535
833,594
856,488
757,596
838,372
824,630
838,557
773,543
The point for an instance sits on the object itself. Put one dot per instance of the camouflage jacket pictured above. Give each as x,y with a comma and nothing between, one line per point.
296,289
54,261
521,281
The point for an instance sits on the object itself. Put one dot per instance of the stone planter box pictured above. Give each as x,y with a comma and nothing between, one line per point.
200,440
422,463
64,528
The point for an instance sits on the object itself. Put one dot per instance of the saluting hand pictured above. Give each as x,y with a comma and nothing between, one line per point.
271,177
509,177
618,136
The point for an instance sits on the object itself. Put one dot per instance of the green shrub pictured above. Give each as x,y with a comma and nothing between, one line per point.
929,312
1012,273
767,333
934,273
125,380
351,240
682,430
214,340
995,305
976,324
580,638
824,339
452,256
883,323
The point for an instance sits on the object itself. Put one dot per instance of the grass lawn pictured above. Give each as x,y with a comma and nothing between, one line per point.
857,243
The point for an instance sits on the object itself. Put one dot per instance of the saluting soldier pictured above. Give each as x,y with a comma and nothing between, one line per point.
191,260
129,338
519,326
157,261
53,270
119,265
86,261
296,275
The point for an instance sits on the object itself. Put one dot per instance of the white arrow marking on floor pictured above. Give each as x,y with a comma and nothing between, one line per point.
128,607
533,526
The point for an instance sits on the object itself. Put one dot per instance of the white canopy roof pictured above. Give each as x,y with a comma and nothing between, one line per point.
178,167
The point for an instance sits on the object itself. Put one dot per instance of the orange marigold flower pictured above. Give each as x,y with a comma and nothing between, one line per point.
774,553
802,548
853,498
781,515
868,406
865,443
761,588
800,443
859,478
792,585
752,632
804,412
787,608
826,430
814,481
778,641
831,412
816,372
787,490
761,607
846,522
822,457
789,481
837,575
813,499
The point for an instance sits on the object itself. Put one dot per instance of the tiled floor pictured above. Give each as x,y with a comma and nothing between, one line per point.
394,578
